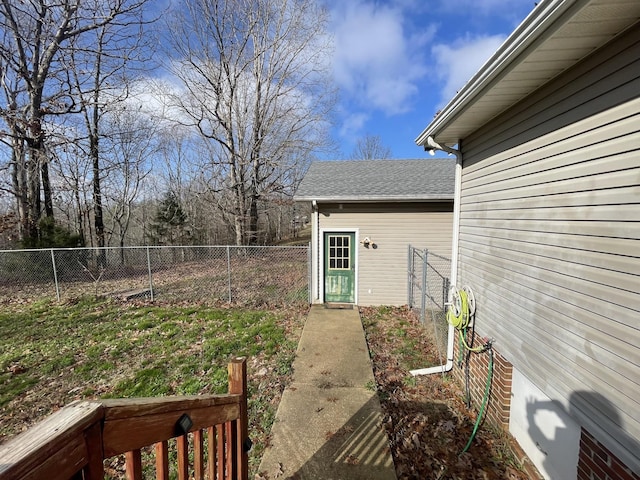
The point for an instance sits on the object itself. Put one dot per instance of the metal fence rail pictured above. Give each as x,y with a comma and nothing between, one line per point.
428,287
241,275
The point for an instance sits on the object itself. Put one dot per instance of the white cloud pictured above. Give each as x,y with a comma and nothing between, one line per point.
503,8
377,60
456,63
353,124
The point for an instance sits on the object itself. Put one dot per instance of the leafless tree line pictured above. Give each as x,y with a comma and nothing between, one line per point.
109,109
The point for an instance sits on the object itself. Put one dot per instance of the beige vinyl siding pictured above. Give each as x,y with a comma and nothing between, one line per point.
550,239
382,271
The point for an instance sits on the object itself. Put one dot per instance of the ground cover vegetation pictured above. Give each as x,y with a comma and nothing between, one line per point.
426,418
53,353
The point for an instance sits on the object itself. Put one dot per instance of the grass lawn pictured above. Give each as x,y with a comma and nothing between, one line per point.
87,348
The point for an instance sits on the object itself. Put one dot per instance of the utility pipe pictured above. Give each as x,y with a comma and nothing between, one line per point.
431,146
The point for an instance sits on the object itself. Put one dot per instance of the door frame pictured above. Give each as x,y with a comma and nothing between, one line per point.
321,259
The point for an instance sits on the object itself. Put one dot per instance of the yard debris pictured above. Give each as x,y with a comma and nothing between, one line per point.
16,369
425,417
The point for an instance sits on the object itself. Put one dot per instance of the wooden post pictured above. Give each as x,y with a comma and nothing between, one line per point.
133,465
162,460
211,453
94,469
198,456
238,386
182,444
220,442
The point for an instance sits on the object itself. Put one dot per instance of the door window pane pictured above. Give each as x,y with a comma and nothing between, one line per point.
339,252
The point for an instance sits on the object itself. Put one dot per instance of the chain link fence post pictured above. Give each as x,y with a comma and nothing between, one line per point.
445,291
309,274
229,272
423,300
55,274
150,274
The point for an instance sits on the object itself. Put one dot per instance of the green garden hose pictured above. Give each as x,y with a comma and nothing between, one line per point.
460,313
463,341
485,401
461,309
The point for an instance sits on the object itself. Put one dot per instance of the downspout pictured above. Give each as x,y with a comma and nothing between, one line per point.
315,246
431,146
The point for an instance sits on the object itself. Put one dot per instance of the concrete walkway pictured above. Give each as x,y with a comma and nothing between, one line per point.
328,424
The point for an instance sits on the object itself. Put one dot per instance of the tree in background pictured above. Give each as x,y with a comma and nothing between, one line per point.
37,37
131,141
370,147
168,227
103,66
94,156
256,86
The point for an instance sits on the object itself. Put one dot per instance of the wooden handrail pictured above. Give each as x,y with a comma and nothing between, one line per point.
74,441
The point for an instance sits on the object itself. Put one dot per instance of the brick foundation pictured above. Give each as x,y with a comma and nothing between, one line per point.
595,462
500,399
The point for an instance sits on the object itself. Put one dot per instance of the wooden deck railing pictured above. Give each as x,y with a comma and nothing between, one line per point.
74,442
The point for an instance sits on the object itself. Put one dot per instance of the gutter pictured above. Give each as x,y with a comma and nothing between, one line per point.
533,30
378,199
432,146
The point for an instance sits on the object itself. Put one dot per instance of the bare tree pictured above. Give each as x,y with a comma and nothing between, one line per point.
102,71
370,147
73,177
130,144
36,35
256,85
13,139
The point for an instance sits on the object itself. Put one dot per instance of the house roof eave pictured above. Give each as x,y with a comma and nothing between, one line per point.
530,51
379,199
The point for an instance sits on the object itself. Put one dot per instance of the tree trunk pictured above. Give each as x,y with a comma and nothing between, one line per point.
79,216
33,198
19,179
252,234
38,172
98,217
46,186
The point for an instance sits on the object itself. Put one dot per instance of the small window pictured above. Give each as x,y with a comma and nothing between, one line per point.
339,252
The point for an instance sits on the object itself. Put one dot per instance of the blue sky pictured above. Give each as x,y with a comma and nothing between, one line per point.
397,62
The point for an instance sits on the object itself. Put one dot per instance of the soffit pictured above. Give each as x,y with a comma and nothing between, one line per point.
530,58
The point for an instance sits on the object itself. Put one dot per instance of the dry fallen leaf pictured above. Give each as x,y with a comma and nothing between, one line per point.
416,440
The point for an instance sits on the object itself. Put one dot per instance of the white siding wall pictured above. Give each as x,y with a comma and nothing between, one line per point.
382,272
550,241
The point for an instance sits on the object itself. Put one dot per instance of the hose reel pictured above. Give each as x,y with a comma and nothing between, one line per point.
460,315
462,307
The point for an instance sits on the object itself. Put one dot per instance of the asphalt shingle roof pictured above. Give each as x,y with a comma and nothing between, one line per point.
378,180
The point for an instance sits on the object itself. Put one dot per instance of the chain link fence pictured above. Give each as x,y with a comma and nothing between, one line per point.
428,287
249,276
